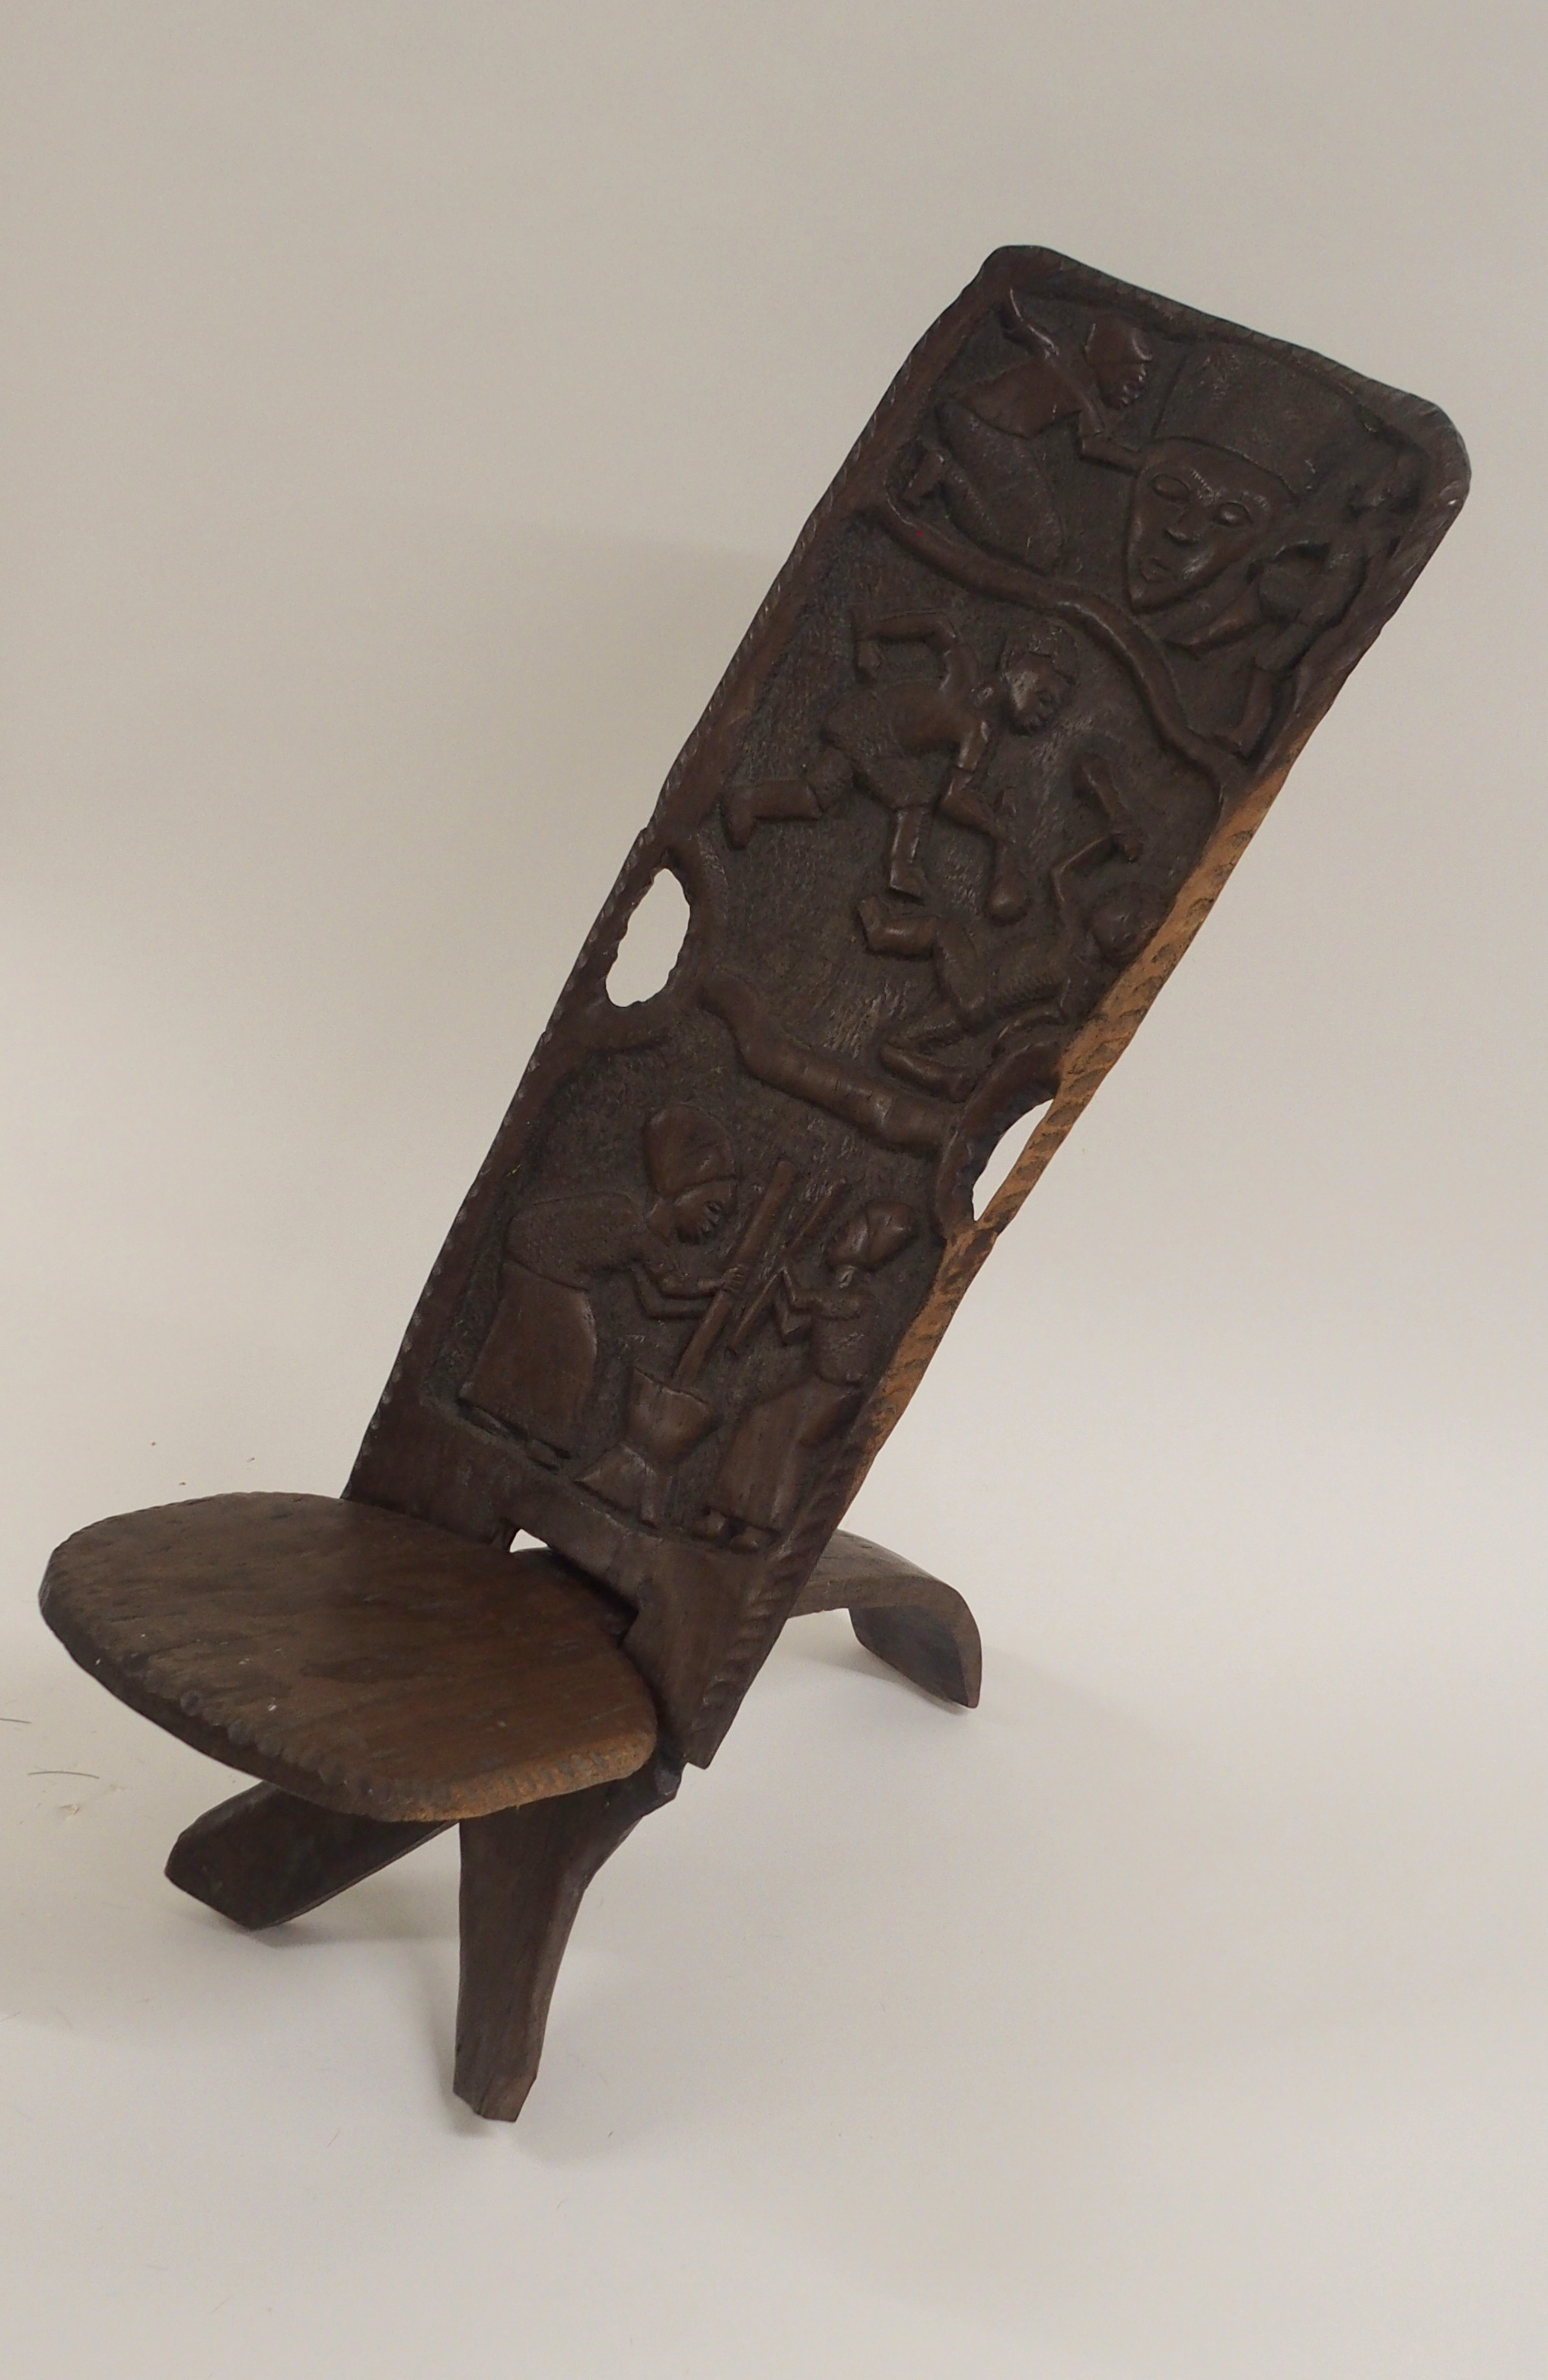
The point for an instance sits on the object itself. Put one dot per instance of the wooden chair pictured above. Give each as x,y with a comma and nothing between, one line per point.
1007,718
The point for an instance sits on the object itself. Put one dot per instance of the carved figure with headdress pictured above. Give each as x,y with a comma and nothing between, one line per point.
535,1371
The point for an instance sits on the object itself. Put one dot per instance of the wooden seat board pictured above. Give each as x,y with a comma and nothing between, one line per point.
367,1662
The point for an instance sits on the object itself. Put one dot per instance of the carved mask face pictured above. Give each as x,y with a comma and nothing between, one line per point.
1195,511
698,1212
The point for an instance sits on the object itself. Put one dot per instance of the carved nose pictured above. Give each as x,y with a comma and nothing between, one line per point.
1183,531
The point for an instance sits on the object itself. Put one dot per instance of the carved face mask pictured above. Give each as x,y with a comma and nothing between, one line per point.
1196,510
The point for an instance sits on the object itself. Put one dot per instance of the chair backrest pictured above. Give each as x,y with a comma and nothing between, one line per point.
1007,720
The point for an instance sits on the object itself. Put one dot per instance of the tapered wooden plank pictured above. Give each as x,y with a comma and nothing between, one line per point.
266,1856
524,1873
914,1623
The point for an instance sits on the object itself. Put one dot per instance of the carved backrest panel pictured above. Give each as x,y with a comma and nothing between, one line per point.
1011,713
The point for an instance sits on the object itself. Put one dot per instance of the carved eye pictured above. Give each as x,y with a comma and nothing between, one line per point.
1171,488
1232,515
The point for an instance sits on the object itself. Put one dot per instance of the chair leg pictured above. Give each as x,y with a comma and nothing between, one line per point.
266,1855
524,1872
915,1623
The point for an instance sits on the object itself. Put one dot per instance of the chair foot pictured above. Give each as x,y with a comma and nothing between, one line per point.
915,1623
266,1855
524,1872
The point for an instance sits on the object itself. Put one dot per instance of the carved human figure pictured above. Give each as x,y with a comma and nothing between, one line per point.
535,1371
981,456
757,1488
1256,513
1305,585
883,737
1015,988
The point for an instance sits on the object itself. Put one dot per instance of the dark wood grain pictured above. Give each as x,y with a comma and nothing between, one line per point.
1008,719
266,1856
524,1873
915,1623
361,1660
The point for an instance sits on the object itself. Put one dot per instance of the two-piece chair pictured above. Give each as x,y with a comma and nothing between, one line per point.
1007,718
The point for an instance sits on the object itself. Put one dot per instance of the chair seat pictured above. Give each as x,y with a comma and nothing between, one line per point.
367,1662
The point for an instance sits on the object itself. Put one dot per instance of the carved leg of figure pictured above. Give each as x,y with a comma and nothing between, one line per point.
915,1623
825,1079
266,1856
905,875
808,797
745,806
956,1083
897,933
522,1874
999,495
1008,891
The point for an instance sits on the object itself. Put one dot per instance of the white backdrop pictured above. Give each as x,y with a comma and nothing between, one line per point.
405,408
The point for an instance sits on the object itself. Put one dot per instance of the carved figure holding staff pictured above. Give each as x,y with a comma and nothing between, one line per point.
757,1488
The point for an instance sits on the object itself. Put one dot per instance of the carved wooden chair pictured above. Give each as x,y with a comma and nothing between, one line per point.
1007,718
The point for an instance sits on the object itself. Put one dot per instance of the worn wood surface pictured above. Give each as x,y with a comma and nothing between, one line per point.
1009,717
524,1873
357,1658
266,1856
1007,720
915,1623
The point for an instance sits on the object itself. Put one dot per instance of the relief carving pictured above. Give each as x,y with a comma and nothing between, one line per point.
1260,500
758,1490
983,457
923,749
883,737
534,1372
987,755
1014,990
667,1419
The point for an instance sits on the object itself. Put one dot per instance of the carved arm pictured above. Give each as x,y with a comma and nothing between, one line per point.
873,629
671,1304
